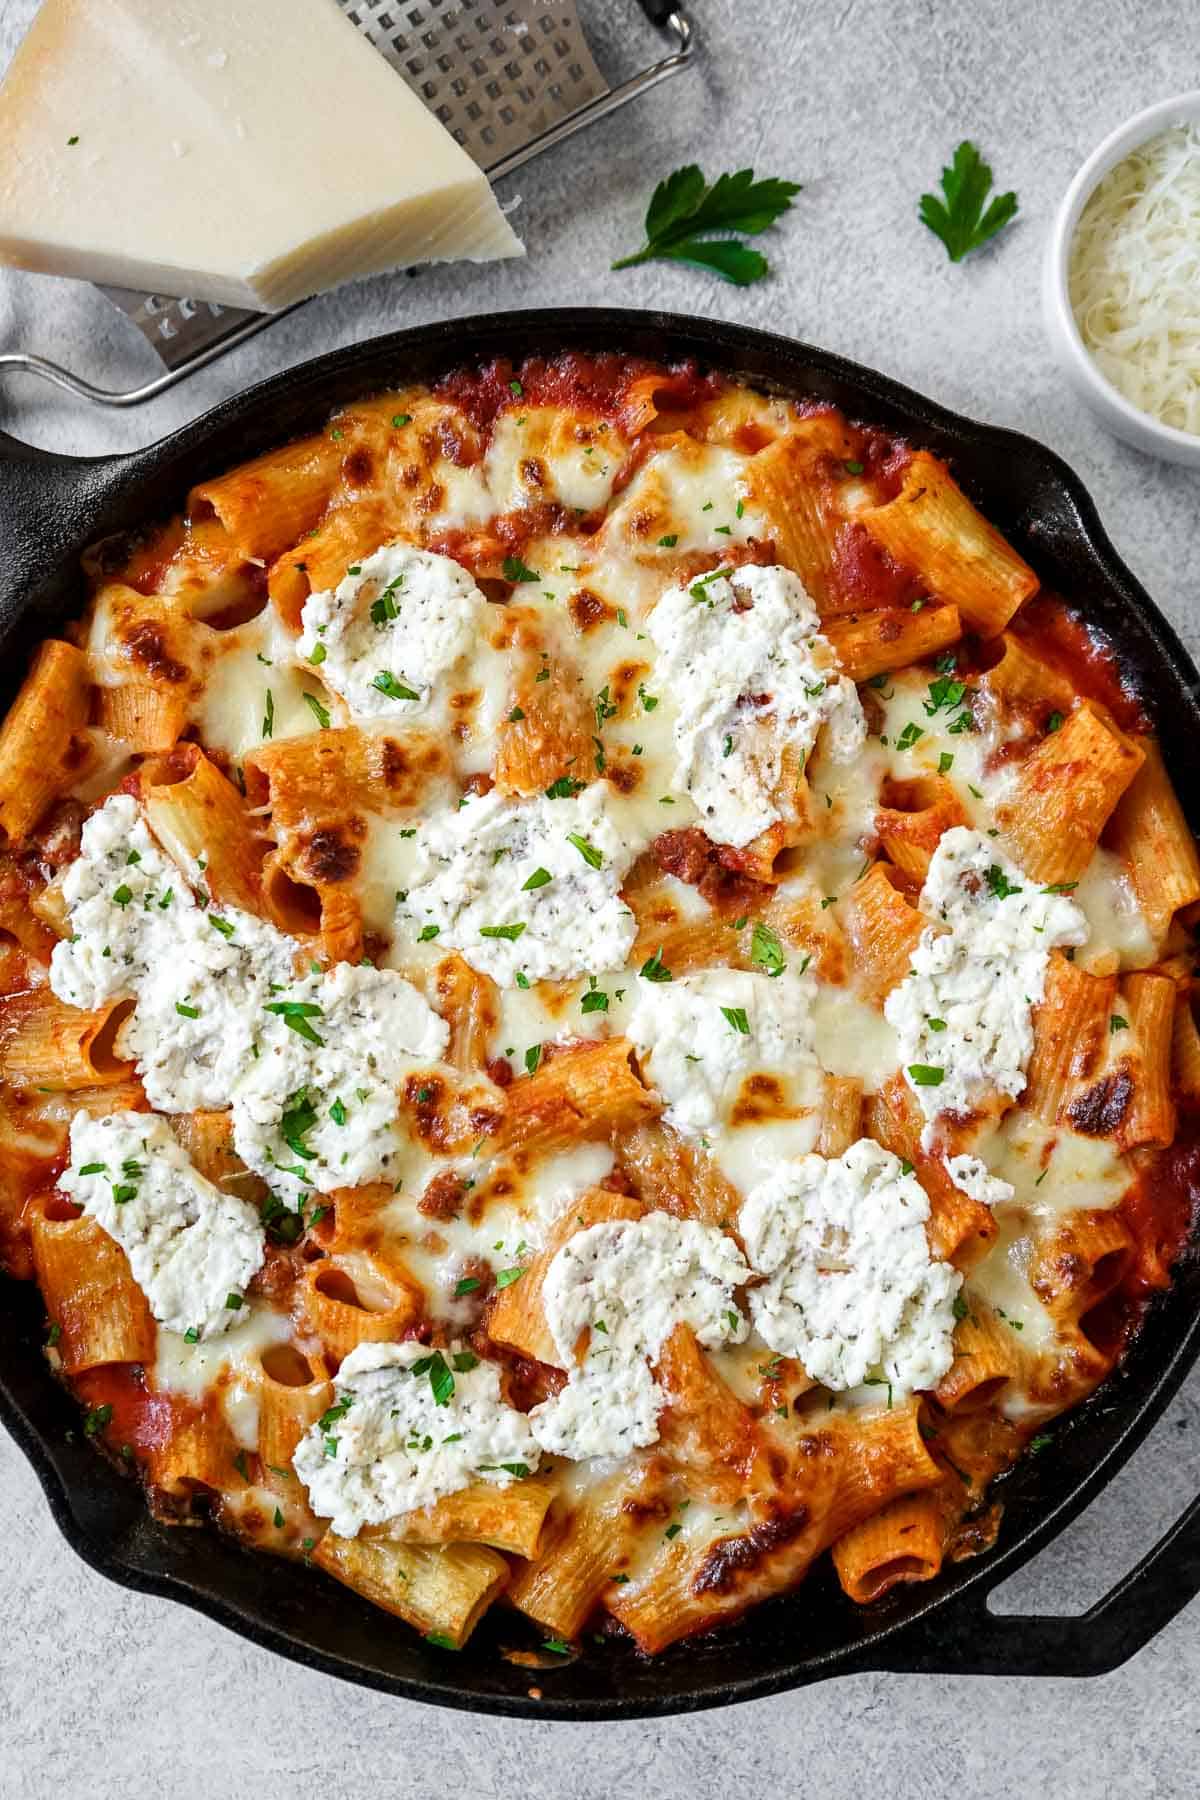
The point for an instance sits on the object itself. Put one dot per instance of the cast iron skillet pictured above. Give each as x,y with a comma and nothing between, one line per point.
50,507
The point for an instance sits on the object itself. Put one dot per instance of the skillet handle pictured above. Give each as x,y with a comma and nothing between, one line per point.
51,506
972,1640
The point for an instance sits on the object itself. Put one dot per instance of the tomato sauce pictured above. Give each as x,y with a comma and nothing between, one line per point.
575,380
1061,637
139,1418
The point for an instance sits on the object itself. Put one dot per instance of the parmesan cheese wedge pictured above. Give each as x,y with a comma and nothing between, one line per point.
248,155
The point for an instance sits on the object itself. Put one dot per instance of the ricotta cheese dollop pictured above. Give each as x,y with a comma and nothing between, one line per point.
742,657
399,621
409,1425
628,1284
850,1289
963,1013
191,1247
972,1177
318,1106
699,1037
529,887
310,1065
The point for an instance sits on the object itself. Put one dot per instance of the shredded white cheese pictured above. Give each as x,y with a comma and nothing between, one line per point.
1135,277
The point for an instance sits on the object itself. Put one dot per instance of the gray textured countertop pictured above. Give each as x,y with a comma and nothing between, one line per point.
114,1694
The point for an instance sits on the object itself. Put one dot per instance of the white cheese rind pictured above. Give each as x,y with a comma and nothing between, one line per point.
851,1288
394,1449
474,864
402,616
191,1247
696,1054
628,1284
744,663
979,978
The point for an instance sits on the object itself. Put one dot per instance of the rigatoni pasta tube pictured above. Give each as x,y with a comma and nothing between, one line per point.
42,744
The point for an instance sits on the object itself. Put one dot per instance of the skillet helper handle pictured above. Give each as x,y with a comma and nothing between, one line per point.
971,1640
50,507
658,11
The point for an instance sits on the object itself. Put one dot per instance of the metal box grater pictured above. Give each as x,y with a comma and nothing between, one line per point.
507,78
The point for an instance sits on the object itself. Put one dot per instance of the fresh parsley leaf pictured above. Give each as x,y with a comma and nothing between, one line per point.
654,968
766,951
736,1017
960,220
685,211
319,712
387,684
516,570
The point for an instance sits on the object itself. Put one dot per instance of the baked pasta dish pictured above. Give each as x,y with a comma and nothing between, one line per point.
595,1002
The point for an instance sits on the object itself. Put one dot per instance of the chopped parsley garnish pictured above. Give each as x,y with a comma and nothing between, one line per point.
1117,1023
736,1017
1061,887
854,468
522,979
511,932
122,895
960,1307
427,932
673,1530
592,857
506,1277
295,1015
533,1057
122,1194
94,1169
96,1418
766,951
268,724
337,1113
1054,723
1041,1442
596,1001
395,690
467,1285
925,1075
441,1380
604,708
999,884
384,608
944,693
441,1640
319,712
565,788
516,715
557,1645
909,736
649,701
401,419
516,570
187,1012
234,1302
221,925
538,879
654,968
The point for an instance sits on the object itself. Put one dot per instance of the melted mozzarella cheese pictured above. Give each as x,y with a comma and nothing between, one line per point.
192,1249
749,676
963,1013
527,887
700,1036
628,1284
851,1288
406,1428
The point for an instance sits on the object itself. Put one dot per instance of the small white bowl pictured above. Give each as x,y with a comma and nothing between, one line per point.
1138,428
